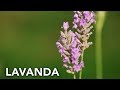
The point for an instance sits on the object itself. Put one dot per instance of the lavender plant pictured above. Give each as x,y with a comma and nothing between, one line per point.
72,45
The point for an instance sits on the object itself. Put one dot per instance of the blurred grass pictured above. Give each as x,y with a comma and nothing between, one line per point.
27,39
101,17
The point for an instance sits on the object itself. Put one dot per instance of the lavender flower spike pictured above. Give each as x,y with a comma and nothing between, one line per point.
83,31
69,48
71,45
84,26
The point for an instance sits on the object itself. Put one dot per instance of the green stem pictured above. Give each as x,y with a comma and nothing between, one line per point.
74,76
80,75
98,40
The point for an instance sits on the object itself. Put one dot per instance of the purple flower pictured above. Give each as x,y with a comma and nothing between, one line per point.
66,59
65,25
75,51
82,22
61,50
75,26
72,53
74,43
76,20
78,67
59,45
74,61
86,12
82,63
75,16
88,15
81,18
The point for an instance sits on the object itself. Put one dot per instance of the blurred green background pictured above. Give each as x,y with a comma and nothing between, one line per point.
27,39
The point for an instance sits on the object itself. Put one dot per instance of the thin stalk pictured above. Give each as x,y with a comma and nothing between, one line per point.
74,76
98,40
80,74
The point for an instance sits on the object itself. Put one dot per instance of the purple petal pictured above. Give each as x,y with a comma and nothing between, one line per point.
65,25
